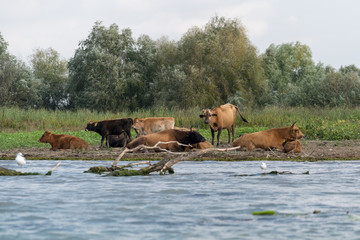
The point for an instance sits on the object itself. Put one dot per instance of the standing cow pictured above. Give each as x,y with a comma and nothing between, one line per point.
110,127
153,124
220,118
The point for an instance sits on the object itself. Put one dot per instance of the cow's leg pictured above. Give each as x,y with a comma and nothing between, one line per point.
212,136
218,137
233,132
102,141
228,129
107,141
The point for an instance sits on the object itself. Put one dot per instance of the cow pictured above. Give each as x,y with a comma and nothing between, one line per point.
293,146
152,124
110,127
63,141
220,118
181,136
269,139
119,140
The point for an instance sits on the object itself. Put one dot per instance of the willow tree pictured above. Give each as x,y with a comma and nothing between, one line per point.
221,62
52,71
100,69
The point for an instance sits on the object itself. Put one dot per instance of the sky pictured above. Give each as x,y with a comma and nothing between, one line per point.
328,27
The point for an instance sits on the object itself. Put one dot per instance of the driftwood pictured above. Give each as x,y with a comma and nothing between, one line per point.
50,172
163,166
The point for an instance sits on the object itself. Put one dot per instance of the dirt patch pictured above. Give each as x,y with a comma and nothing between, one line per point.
312,151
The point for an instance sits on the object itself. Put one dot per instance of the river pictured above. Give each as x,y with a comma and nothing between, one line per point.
202,200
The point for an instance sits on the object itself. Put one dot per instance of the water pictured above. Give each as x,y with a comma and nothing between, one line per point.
202,200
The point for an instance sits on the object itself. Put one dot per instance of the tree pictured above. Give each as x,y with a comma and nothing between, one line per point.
53,74
224,60
17,85
287,68
100,70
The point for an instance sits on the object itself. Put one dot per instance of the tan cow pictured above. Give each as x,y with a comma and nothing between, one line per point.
269,139
222,117
153,124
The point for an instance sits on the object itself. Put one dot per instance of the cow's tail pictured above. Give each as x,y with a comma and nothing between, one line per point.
238,110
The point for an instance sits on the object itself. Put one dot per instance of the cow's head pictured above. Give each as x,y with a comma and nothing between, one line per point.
295,132
194,136
137,125
207,114
45,137
91,126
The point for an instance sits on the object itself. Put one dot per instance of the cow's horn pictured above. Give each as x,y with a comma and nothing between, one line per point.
293,124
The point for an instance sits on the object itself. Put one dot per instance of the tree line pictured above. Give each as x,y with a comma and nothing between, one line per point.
208,66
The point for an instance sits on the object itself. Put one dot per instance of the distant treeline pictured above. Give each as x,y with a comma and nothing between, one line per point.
208,66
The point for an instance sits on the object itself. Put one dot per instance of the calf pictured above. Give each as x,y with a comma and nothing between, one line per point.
153,124
110,127
181,136
119,140
268,139
63,141
293,146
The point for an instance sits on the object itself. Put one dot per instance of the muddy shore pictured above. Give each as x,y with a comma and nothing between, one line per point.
312,151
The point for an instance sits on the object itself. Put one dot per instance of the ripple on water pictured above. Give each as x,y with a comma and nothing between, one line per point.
201,200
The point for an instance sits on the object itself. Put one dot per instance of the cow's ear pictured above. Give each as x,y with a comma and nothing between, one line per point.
293,125
95,124
201,115
214,115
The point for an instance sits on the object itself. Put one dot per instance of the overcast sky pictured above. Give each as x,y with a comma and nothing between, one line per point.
329,27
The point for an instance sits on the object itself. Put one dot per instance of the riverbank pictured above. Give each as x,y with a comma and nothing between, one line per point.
313,150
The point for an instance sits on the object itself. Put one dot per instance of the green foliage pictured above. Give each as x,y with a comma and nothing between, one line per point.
51,71
209,66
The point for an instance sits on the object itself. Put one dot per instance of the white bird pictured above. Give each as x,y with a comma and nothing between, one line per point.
20,160
263,166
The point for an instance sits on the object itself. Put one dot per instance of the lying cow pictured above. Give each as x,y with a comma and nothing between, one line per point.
293,146
119,140
269,139
153,124
181,136
220,118
63,141
110,127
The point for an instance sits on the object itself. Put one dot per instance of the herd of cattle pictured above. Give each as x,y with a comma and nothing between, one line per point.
151,131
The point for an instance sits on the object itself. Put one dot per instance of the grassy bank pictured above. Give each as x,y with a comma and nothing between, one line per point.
22,128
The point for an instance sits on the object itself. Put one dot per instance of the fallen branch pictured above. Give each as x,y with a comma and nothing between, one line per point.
155,147
182,158
50,172
164,165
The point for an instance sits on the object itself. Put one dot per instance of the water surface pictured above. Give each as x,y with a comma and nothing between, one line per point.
202,200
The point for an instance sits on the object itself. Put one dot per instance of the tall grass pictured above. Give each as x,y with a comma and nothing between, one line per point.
315,123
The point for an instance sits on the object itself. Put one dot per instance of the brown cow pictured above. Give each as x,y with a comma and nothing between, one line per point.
63,141
268,139
153,124
222,117
292,146
184,137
